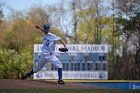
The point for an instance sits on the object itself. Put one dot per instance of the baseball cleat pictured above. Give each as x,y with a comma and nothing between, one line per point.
61,82
27,75
24,77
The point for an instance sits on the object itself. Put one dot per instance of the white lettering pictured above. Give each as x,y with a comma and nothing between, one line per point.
74,48
72,75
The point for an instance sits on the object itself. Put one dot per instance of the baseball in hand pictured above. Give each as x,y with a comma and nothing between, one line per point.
37,26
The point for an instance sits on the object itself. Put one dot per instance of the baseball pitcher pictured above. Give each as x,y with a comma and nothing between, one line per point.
49,41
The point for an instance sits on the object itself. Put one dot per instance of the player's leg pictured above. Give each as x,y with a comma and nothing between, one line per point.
55,61
27,75
39,66
41,63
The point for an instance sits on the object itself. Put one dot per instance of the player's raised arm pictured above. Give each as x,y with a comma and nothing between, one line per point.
40,28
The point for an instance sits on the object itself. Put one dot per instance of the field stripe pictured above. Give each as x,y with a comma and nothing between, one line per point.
98,80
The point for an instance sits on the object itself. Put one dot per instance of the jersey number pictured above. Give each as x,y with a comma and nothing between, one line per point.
47,44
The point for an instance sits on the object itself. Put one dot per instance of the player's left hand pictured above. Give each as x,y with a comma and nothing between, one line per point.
63,49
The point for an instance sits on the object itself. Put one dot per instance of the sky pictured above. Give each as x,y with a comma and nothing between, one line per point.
20,5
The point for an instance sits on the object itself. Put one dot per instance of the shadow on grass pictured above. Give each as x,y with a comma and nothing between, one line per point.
70,91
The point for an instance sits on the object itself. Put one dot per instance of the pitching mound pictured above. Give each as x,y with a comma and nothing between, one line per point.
32,84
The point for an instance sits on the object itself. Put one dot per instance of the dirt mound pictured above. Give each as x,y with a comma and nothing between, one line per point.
33,84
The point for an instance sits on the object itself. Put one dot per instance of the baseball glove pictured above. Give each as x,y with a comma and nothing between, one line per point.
63,49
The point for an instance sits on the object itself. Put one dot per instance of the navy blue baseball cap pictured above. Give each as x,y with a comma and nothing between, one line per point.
46,26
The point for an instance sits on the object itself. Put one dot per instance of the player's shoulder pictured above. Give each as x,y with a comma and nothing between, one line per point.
51,34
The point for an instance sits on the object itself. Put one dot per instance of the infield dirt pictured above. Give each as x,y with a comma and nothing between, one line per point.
34,84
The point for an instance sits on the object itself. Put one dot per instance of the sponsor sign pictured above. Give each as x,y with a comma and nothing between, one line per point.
135,85
72,75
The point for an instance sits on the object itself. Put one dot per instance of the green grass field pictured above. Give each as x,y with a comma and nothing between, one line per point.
72,91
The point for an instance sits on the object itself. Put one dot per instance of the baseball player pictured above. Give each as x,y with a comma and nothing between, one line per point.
49,41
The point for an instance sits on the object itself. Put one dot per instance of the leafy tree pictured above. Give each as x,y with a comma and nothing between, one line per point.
89,21
1,12
13,64
128,27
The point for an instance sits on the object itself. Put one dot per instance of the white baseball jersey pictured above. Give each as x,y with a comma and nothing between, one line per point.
48,49
49,41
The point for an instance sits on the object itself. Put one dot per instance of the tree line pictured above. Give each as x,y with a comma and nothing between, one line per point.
116,23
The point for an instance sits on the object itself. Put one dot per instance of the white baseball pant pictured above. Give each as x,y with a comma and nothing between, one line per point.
47,58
